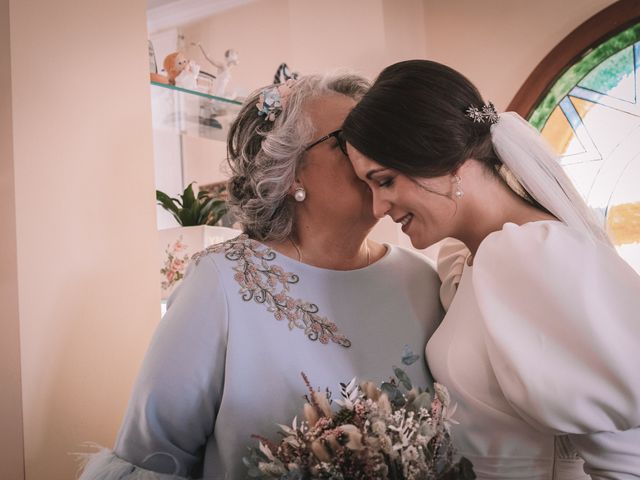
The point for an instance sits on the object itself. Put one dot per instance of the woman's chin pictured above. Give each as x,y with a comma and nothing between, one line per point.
419,243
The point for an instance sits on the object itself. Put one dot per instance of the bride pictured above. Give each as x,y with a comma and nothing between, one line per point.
540,345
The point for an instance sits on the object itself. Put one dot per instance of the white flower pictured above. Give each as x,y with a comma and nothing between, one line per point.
354,435
379,427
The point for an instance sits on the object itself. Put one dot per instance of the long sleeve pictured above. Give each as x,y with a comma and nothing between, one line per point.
451,257
175,399
562,325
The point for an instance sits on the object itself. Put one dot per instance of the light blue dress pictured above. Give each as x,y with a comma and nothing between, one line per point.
226,359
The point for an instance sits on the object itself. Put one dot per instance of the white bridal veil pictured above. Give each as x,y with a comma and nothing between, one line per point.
532,162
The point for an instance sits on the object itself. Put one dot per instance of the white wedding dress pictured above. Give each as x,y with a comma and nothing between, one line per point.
540,349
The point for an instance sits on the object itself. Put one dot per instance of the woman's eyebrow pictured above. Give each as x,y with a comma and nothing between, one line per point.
371,173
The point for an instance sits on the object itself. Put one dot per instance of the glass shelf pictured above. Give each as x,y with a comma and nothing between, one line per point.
191,112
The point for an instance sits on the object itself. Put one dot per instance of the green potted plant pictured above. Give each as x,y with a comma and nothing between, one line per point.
190,209
198,216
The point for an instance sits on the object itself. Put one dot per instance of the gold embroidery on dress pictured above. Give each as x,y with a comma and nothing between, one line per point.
269,284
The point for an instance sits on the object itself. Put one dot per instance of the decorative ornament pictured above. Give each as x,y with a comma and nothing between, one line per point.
300,194
458,192
283,74
486,114
273,100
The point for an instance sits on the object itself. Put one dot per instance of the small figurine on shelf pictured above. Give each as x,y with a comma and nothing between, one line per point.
188,78
173,64
153,67
223,71
283,74
181,71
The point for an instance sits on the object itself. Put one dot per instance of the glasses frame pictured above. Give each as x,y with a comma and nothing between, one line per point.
342,144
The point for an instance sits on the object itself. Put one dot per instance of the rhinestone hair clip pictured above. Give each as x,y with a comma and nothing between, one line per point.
273,99
487,114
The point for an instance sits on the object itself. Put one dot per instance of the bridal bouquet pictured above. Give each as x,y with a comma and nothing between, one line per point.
390,432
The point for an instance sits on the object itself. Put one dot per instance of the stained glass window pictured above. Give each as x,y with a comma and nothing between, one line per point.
591,116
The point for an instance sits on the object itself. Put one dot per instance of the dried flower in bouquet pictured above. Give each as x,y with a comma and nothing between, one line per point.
389,432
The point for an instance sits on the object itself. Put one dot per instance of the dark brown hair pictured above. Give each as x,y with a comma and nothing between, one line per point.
413,119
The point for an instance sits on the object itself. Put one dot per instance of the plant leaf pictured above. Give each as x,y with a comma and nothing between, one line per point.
408,357
395,395
402,377
188,197
218,211
166,202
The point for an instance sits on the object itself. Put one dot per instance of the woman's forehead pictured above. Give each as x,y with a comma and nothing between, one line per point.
329,110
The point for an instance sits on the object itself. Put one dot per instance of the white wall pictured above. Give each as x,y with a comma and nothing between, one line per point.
85,219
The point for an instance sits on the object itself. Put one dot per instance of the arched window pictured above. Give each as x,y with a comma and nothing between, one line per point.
585,99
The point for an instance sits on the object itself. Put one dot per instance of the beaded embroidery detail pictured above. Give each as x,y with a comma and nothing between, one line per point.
268,284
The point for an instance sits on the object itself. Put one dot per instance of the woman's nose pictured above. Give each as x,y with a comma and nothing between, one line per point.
380,205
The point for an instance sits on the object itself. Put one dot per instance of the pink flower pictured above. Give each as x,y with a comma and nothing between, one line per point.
177,264
179,246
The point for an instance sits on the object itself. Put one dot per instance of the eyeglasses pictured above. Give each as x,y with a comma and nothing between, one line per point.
337,134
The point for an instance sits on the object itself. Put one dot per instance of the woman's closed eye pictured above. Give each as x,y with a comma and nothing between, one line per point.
385,182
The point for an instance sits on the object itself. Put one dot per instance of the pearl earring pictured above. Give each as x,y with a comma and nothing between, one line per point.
300,194
458,193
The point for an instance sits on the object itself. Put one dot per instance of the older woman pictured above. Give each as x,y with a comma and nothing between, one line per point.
301,290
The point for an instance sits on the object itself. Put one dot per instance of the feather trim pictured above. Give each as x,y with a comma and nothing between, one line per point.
106,465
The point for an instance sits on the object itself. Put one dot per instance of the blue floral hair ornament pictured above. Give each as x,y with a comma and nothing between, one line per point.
273,99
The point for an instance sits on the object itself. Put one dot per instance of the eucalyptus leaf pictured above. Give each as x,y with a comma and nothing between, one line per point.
402,377
408,357
422,401
393,392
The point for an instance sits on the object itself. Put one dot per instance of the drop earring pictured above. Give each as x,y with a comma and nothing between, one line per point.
458,192
300,194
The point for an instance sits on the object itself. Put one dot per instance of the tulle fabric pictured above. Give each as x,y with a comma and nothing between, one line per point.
530,159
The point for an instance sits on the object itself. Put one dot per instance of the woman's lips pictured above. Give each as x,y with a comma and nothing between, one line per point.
405,221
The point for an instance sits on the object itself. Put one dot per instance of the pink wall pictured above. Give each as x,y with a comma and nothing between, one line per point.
85,220
497,43
11,438
363,35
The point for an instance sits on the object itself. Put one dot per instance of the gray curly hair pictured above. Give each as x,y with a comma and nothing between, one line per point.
264,156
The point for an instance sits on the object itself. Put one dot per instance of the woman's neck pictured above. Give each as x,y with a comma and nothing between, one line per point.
505,207
336,247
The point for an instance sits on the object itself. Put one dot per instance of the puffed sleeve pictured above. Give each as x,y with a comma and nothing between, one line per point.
562,326
176,396
451,257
